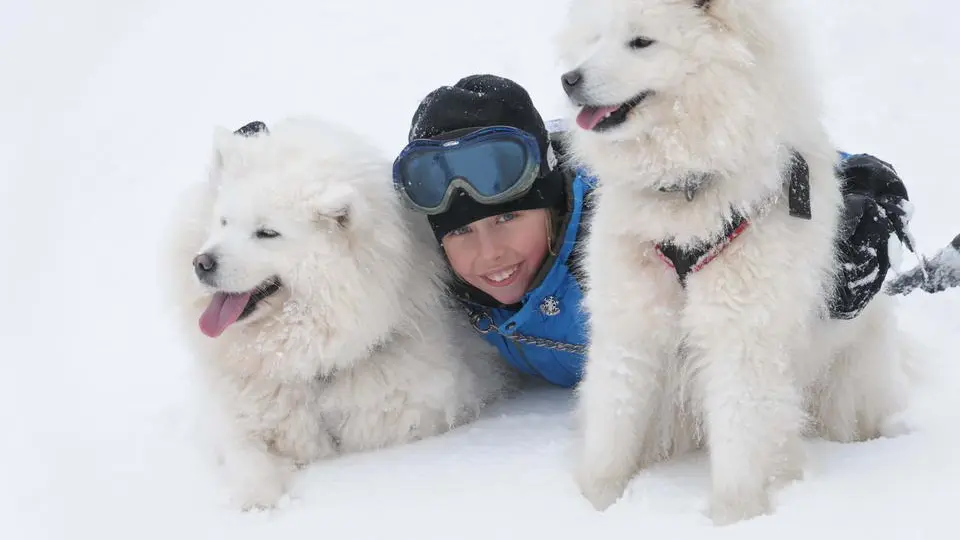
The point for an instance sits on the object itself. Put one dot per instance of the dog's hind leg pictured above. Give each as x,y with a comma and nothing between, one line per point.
867,385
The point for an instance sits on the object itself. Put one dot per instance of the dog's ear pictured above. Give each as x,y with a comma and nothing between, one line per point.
334,205
342,216
253,128
225,142
338,216
223,149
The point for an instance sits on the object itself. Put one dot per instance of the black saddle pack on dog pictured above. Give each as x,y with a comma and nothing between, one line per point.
874,208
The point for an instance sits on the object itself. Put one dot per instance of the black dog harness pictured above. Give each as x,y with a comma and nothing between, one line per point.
686,260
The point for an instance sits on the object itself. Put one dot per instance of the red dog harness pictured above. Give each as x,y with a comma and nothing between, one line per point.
689,259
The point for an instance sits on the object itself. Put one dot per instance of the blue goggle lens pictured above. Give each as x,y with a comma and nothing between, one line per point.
491,165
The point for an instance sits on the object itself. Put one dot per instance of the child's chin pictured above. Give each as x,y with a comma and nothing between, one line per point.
505,297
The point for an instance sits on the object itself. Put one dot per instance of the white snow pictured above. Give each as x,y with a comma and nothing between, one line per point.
108,111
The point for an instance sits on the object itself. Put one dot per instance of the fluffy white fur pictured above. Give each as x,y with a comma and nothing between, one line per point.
359,349
745,359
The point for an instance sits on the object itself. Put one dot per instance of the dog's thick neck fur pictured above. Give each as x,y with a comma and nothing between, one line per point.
728,126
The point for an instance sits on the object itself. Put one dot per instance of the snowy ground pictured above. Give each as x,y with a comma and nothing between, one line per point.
109,107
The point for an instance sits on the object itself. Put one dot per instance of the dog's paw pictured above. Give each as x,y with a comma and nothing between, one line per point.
258,480
727,509
896,425
784,477
788,468
259,496
601,492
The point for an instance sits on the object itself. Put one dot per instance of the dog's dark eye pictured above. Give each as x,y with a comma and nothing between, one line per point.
223,222
267,233
640,43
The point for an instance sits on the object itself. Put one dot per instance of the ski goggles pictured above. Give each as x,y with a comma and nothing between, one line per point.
492,165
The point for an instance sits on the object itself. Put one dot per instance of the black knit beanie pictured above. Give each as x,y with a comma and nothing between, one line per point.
479,101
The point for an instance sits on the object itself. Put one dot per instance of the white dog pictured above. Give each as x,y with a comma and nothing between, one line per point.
316,305
711,255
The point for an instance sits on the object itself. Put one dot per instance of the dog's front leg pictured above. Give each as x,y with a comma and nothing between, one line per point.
301,434
745,383
258,477
616,398
630,301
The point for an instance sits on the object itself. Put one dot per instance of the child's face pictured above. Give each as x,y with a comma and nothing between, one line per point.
500,254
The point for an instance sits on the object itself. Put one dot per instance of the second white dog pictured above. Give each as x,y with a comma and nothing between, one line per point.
315,304
710,261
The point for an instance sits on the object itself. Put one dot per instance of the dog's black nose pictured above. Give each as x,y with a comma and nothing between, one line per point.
570,80
204,264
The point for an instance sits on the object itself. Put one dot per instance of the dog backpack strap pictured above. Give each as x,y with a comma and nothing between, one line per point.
799,190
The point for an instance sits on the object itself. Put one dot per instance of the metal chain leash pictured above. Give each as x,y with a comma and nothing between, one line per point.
477,317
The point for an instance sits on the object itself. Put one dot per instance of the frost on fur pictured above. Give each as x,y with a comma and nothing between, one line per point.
687,114
315,305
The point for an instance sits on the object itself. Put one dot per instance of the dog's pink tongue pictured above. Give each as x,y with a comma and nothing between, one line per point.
224,309
589,117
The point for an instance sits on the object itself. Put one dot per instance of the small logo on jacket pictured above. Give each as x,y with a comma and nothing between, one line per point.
550,306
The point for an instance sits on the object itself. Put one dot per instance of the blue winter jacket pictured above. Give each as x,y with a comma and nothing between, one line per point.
551,310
